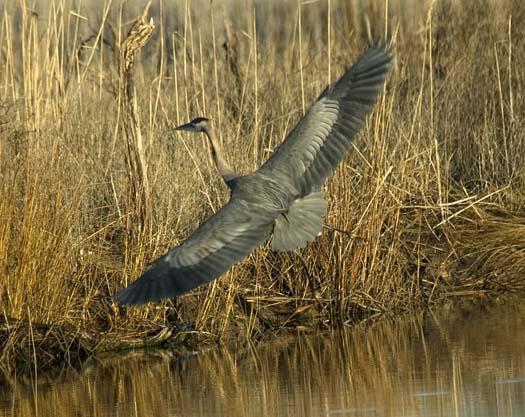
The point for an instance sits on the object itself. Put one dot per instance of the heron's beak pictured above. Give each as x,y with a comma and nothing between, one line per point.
188,127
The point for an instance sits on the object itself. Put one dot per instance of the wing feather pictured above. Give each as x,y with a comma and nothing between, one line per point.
320,140
225,238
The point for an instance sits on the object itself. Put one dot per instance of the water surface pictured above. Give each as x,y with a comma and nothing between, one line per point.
460,361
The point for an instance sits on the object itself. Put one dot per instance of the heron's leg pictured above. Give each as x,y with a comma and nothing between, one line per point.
301,257
173,314
305,265
350,234
250,310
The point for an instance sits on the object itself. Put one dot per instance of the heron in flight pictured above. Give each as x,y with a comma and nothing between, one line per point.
283,197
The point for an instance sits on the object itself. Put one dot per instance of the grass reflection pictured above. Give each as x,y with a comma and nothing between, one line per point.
470,363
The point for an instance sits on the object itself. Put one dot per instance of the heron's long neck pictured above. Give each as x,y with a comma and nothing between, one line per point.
225,170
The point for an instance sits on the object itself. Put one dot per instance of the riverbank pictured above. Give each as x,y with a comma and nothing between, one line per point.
429,205
424,364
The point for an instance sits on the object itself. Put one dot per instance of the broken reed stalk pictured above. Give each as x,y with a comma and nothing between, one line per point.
231,51
139,203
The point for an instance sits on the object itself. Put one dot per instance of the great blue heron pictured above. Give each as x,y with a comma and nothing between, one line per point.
284,195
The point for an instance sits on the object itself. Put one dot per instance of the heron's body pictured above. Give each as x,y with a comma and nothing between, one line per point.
262,190
283,196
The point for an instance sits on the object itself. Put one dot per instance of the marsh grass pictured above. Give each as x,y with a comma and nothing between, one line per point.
428,205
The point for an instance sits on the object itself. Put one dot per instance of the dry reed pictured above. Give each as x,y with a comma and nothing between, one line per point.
428,205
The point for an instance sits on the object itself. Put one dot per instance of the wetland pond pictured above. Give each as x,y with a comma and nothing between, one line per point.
460,360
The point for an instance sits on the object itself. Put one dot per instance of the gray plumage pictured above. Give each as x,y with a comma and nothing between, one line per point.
282,197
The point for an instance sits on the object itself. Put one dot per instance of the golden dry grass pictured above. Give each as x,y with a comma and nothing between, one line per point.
432,194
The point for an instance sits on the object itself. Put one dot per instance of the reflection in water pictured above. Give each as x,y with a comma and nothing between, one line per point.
460,362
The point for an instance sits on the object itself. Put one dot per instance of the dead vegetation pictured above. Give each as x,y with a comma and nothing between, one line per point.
429,205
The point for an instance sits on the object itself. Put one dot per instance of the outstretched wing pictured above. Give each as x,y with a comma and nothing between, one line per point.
226,237
317,144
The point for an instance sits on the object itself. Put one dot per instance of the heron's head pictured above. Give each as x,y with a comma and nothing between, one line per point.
199,124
